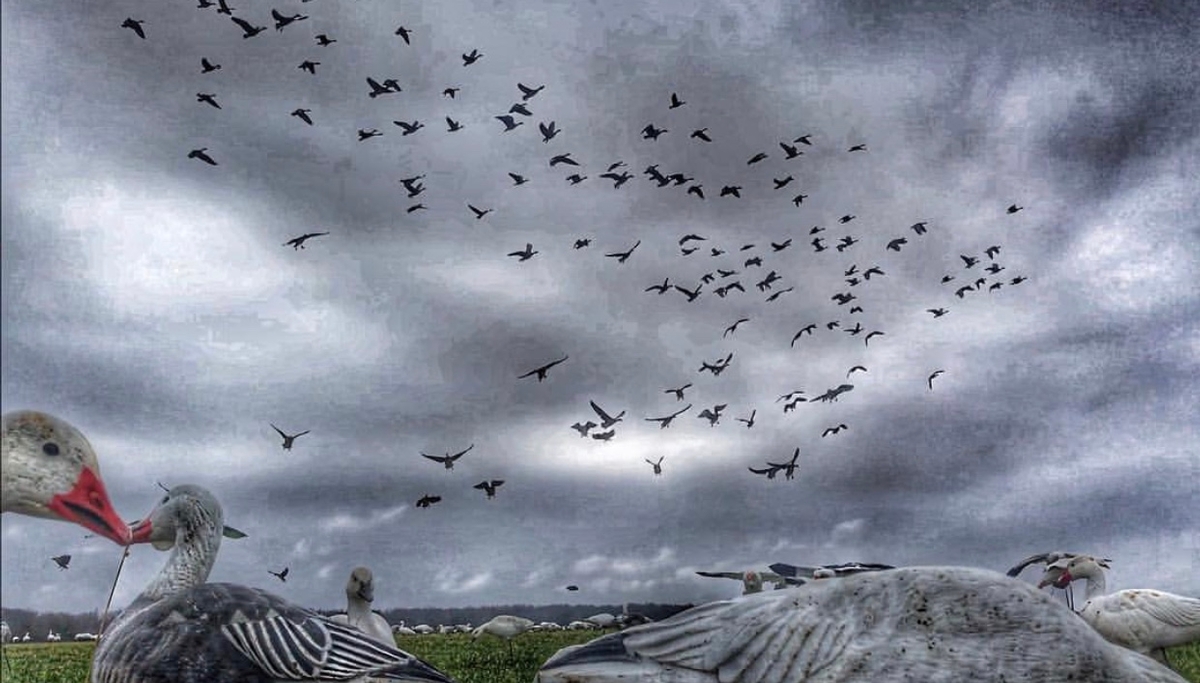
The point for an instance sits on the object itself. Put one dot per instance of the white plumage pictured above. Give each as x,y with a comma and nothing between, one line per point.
360,593
504,626
929,624
1143,620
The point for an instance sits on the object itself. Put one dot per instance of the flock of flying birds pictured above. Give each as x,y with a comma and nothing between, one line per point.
737,271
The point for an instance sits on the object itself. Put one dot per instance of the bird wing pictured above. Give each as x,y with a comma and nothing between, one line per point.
279,430
600,411
435,458
482,486
461,453
278,17
1155,609
722,575
246,26
1032,559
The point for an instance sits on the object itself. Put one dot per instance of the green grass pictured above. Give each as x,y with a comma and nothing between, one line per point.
486,661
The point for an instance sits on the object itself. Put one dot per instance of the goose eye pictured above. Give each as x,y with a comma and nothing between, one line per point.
50,448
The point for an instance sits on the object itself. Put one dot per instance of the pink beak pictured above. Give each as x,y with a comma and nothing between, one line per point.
88,505
140,531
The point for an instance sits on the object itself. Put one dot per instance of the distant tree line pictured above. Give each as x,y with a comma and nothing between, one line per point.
39,624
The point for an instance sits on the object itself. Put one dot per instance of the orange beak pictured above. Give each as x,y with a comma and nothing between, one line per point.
88,505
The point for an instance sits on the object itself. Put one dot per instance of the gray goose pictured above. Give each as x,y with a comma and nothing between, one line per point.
181,629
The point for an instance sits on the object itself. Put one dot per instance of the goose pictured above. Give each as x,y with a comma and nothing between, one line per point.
752,581
202,155
1143,620
182,629
136,26
360,593
910,624
504,626
50,471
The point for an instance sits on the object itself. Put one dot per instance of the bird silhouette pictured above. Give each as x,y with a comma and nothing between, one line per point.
701,134
604,436
541,371
298,242
807,329
732,328
135,25
428,500
678,392
804,139
970,261
527,92
324,40
471,57
479,213
734,190
780,183
450,92
1013,208
769,471
202,156
310,67
281,21
833,430
932,376
524,255
664,422
452,125
748,421
248,30
208,98
856,368
489,486
714,415
224,8
63,561
691,294
858,148
676,102
288,439
867,339
409,128
518,179
583,242
368,134
789,467
563,159
656,465
572,587
415,207
789,151
937,312
660,289
583,427
618,179
623,256
895,244
548,131
448,460
756,158
281,575
404,34
606,420
798,200
652,133
575,178
302,114
207,66
918,228
781,245
778,294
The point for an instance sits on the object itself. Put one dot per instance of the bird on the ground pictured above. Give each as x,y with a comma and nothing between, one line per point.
288,439
448,460
360,593
489,486
297,243
505,627
1055,566
982,632
541,371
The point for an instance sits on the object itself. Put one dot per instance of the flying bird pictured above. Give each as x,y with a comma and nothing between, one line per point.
302,114
583,427
798,200
782,245
450,92
606,420
867,339
770,472
807,329
622,256
856,368
282,21
479,213
778,294
428,500
404,34
604,436
676,102
918,228
656,465
452,125
748,421
208,98
562,159
789,467
135,25
63,561
541,371
660,289
518,179
202,156
701,134
1013,208
368,134
288,439
524,255
207,66
575,178
298,242
664,422
310,67
932,376
756,158
489,486
804,139
448,460
548,131
970,261
281,575
781,183
509,122
409,128
734,190
937,312
527,92
248,30
895,244
471,57
732,328
618,179
714,415
678,392
583,242
858,148
789,151
520,108
833,430
652,133
572,587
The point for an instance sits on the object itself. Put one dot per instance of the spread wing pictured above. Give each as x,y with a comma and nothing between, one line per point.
600,411
435,458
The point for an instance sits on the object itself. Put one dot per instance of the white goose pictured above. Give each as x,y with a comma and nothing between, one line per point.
504,626
932,624
50,470
360,593
1143,620
183,629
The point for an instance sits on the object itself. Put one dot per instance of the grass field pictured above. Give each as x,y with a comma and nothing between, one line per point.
487,661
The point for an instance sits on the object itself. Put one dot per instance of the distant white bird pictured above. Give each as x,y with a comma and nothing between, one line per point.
911,624
752,581
360,593
504,626
1141,619
50,470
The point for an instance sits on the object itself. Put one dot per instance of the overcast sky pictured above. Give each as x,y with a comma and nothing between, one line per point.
149,299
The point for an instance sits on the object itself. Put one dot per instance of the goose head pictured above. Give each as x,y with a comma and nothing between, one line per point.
1083,567
50,470
186,512
361,585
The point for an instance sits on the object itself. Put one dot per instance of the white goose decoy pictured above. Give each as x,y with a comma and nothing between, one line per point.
360,593
50,470
1141,619
933,624
183,629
